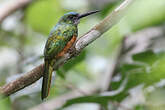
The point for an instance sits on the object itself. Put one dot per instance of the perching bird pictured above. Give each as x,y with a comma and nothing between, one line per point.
61,38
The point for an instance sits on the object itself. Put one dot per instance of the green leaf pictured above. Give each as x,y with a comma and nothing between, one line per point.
140,107
148,57
5,104
129,67
102,100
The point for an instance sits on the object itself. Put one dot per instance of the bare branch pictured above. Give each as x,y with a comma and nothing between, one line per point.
115,62
11,6
81,43
25,80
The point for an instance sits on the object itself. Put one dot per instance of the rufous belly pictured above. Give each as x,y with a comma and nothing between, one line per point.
67,47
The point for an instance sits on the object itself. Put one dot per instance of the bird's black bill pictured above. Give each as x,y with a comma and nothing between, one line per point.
86,14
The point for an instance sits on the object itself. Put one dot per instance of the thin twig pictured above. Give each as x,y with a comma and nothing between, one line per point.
71,86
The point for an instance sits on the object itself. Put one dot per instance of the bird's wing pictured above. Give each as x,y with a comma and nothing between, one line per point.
53,46
58,39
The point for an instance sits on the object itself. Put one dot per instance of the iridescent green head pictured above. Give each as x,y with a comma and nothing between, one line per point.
74,18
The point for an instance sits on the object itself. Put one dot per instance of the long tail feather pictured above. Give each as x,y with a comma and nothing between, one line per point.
47,76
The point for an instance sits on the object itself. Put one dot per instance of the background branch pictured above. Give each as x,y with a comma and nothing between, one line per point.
11,6
112,68
81,43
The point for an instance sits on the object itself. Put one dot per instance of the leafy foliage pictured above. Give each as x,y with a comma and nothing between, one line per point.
136,74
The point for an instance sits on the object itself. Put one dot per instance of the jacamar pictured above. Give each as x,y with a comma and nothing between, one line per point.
60,40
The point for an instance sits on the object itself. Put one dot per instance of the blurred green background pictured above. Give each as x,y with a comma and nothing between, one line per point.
132,50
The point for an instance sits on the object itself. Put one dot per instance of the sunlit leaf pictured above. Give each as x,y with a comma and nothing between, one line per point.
148,57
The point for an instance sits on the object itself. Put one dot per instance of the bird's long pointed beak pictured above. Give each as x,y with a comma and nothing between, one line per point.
88,13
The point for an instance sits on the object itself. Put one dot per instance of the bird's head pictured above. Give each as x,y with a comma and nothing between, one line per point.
74,18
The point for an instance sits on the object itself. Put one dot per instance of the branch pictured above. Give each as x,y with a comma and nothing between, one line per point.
112,68
25,80
81,43
11,6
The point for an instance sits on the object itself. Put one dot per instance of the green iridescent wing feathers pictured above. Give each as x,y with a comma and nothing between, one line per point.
53,46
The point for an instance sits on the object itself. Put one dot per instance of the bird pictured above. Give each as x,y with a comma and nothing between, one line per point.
60,40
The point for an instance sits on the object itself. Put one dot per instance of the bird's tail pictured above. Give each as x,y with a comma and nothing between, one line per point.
47,76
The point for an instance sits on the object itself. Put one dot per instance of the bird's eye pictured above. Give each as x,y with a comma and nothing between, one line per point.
71,17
